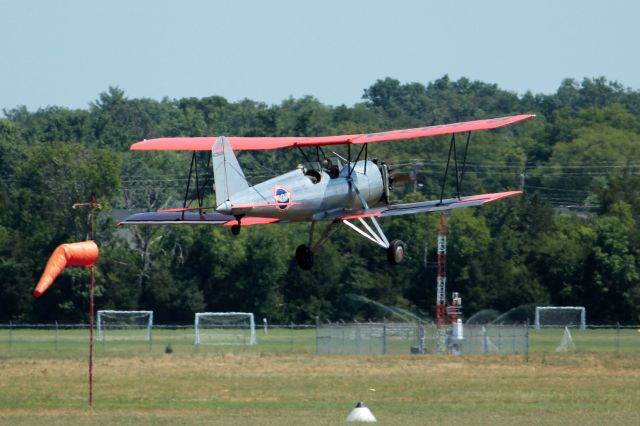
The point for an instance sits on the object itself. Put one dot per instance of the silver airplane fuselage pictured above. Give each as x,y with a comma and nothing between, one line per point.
296,196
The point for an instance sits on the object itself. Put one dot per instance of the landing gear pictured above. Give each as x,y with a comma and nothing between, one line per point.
235,229
395,252
304,257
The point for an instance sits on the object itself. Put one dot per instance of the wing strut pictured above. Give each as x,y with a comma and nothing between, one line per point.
376,237
305,155
459,174
186,193
373,233
368,233
351,169
199,188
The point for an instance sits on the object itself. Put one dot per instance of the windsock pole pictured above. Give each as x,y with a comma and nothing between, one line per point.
93,205
85,253
91,337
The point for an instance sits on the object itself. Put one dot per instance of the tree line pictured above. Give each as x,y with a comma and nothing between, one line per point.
572,239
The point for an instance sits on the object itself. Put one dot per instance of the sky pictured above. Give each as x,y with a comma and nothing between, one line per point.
66,52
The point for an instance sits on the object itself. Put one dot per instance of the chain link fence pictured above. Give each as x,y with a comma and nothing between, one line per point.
406,338
56,339
373,338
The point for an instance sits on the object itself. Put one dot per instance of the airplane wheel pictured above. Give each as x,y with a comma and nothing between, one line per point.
235,229
304,257
395,252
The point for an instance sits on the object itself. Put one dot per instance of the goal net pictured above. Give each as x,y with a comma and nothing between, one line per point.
560,316
124,325
225,328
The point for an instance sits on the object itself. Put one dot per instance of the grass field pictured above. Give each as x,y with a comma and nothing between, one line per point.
281,381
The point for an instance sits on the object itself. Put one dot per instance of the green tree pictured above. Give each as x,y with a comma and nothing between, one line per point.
611,288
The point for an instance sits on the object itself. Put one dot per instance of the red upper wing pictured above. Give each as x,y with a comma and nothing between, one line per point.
242,143
442,129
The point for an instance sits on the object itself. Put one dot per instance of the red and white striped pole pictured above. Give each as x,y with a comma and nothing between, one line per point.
441,277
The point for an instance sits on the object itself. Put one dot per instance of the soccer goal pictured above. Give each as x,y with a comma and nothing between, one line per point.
560,316
225,328
124,325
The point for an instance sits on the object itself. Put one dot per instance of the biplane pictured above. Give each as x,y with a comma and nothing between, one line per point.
352,191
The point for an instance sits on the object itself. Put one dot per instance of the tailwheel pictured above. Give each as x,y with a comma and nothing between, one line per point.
395,252
235,229
304,257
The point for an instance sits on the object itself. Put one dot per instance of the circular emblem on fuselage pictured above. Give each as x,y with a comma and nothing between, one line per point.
282,197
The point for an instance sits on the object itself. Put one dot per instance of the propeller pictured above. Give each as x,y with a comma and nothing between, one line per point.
409,177
397,178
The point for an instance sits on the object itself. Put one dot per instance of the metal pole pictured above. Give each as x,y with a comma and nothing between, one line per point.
317,333
526,340
91,340
91,303
93,205
291,336
384,336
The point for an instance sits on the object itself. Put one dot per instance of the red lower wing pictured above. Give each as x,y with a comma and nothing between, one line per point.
428,206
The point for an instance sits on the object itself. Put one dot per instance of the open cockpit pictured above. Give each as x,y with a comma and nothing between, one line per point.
314,170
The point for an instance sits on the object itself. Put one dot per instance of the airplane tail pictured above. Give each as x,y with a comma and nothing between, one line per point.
227,174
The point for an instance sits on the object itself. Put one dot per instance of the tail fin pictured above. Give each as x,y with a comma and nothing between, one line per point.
227,174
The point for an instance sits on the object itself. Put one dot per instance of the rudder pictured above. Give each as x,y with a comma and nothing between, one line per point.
227,173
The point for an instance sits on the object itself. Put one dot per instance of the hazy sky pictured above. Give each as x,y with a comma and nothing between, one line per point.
65,52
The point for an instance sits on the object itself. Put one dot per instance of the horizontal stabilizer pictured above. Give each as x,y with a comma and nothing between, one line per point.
250,221
182,216
172,217
186,209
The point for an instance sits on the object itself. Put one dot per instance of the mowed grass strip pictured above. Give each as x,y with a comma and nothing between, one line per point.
293,389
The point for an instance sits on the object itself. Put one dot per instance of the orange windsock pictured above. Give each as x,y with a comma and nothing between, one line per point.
73,254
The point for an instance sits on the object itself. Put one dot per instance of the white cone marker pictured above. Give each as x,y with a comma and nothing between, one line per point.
361,414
